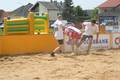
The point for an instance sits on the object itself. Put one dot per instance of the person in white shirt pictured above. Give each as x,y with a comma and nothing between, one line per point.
58,26
90,29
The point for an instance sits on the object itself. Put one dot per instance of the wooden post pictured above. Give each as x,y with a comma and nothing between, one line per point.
111,40
5,26
31,23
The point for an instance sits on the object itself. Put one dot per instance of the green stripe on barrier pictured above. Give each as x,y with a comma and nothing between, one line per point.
40,17
39,28
17,23
17,29
39,22
1,29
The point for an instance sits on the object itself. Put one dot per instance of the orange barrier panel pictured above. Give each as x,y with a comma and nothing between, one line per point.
21,44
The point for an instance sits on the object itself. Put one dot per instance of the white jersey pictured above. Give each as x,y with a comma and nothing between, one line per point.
58,28
90,29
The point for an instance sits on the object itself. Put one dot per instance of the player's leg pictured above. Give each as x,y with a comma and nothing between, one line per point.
89,44
79,43
60,48
83,38
74,43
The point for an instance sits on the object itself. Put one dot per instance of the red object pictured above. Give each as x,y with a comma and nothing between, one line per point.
71,33
110,4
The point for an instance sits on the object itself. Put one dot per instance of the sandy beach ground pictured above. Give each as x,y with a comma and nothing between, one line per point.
99,65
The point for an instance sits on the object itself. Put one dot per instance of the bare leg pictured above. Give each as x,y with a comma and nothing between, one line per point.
80,43
61,48
54,51
89,45
76,48
83,38
58,49
73,45
73,49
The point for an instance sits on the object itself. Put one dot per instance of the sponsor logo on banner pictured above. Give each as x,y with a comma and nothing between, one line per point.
100,41
103,42
116,40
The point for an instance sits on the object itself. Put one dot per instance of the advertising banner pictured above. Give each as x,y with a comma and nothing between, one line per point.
103,43
116,40
110,23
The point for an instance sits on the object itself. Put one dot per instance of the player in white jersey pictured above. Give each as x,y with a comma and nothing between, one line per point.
58,34
90,29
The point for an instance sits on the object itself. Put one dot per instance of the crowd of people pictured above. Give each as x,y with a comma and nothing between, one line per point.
75,34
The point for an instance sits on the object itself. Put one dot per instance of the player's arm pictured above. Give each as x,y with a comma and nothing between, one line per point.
83,28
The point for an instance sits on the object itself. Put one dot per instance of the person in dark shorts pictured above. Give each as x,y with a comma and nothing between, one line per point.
58,34
90,29
60,41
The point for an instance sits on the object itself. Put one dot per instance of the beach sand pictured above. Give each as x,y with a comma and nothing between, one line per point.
98,65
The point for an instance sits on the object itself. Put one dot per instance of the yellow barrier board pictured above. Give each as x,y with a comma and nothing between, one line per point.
22,44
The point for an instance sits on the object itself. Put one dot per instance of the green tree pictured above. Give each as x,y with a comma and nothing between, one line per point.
95,14
78,13
68,10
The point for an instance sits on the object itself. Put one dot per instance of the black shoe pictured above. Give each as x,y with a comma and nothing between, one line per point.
52,54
